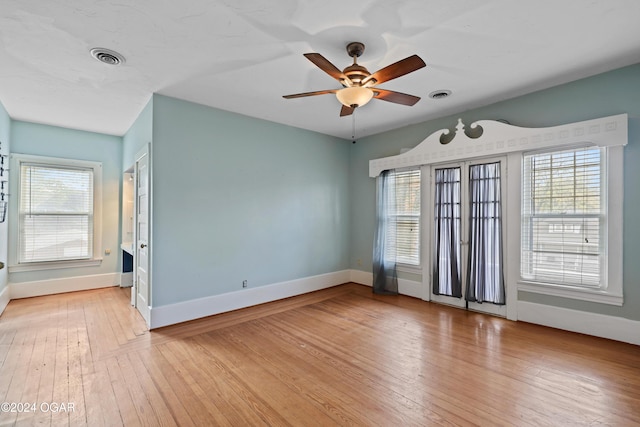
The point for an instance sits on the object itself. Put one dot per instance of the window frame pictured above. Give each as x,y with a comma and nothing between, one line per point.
500,138
404,266
611,290
17,161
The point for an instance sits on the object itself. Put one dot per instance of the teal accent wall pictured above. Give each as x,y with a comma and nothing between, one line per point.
139,134
5,132
51,141
606,94
237,198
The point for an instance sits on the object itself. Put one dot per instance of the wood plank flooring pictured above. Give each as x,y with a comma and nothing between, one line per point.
339,356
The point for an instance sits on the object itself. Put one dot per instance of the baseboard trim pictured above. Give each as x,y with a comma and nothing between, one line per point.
599,325
361,277
126,280
59,286
208,306
5,297
409,288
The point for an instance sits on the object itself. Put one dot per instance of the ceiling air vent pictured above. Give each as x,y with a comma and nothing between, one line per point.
439,94
107,56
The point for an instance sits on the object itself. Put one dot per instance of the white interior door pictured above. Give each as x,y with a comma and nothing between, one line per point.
451,237
141,266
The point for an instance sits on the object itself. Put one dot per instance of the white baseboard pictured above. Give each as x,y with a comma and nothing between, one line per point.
409,288
202,307
126,279
599,325
5,297
67,284
361,277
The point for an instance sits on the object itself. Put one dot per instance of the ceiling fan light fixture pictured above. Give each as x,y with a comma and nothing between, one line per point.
355,96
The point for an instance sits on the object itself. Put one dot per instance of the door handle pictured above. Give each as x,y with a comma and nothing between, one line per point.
142,246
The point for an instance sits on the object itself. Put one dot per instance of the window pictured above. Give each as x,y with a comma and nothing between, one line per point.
564,218
404,217
58,210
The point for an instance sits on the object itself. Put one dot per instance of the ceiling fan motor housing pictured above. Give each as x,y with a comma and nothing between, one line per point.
356,73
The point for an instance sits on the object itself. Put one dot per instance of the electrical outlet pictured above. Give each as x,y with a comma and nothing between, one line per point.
244,283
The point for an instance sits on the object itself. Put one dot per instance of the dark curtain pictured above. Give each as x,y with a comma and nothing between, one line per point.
385,277
485,278
446,265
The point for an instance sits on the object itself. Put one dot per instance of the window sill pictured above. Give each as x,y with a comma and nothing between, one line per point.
55,265
408,268
592,295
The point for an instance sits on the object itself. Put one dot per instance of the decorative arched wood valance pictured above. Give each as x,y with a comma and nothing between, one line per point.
489,137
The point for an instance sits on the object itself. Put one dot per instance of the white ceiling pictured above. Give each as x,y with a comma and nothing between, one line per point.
242,56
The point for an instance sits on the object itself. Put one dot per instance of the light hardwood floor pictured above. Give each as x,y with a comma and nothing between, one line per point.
340,356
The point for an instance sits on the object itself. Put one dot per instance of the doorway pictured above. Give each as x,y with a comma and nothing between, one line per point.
467,235
141,291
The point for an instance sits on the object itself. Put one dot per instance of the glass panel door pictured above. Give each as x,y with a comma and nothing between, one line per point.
467,238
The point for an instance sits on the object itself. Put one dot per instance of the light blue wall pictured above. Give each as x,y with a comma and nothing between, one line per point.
51,141
5,131
236,198
606,94
139,134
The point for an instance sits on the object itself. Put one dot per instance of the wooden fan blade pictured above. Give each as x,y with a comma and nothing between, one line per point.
301,95
396,70
326,66
395,97
346,111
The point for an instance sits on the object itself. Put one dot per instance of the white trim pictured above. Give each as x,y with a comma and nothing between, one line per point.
16,160
59,286
511,218
126,279
5,297
55,265
208,306
584,294
410,288
613,292
498,138
361,277
409,268
599,325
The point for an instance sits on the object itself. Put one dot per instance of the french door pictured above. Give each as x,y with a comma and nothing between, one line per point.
467,235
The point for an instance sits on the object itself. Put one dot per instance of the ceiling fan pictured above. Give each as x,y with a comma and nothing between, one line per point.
359,85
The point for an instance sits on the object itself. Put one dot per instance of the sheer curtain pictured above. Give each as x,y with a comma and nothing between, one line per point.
446,265
385,277
485,278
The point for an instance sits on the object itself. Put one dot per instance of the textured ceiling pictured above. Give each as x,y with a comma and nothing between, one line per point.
242,56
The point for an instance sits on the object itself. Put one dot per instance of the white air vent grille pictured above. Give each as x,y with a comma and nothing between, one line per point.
107,56
439,94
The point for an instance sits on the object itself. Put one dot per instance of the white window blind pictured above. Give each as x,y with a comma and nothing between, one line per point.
564,218
405,219
56,213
